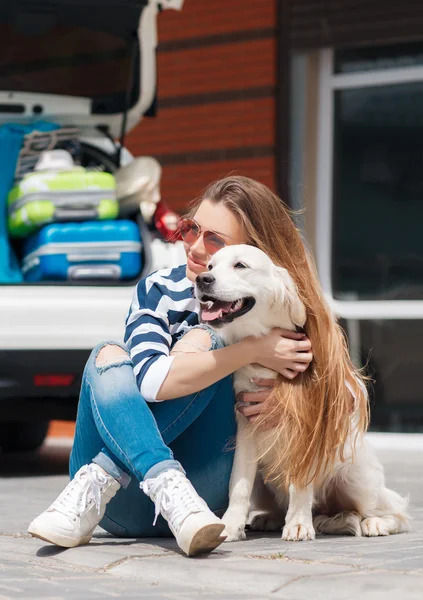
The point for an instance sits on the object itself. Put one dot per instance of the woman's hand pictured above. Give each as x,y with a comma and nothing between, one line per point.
286,352
252,404
283,351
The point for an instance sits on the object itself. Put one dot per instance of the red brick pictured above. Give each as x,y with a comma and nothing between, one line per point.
199,18
227,67
182,183
206,127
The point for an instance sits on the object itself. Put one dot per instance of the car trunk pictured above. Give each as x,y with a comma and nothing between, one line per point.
93,157
87,64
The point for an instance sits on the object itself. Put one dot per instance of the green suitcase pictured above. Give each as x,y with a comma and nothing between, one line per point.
44,197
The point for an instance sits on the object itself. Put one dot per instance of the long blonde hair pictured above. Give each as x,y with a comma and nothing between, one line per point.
313,414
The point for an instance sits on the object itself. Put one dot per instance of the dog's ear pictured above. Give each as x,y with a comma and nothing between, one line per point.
289,295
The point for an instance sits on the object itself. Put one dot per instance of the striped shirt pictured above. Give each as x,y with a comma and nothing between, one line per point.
163,306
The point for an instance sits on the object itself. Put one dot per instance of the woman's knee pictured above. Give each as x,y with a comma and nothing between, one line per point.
200,337
108,355
104,367
109,375
111,355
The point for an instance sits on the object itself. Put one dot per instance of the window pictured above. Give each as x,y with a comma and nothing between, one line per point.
370,178
378,192
369,233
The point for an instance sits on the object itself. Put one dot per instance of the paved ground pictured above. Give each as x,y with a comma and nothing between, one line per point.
340,568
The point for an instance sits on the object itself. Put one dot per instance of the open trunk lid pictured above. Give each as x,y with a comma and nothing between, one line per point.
78,62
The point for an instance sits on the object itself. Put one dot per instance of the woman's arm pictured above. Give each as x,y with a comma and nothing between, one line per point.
148,336
193,369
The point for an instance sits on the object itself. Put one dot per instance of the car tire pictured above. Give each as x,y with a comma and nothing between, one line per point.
22,437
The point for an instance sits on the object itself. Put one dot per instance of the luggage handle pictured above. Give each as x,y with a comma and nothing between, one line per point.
80,272
77,213
93,256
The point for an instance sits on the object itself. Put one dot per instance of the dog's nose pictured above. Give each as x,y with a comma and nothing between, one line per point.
204,279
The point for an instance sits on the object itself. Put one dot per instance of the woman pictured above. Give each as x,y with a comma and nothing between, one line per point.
160,408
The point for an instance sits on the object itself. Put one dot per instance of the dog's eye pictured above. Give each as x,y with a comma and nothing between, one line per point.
240,265
210,267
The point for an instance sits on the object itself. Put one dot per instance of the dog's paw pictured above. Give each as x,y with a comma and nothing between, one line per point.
298,532
267,522
235,532
375,526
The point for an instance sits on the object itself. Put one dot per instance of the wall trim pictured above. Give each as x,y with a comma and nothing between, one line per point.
219,154
219,39
216,97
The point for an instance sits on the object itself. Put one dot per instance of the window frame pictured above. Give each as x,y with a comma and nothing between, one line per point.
329,83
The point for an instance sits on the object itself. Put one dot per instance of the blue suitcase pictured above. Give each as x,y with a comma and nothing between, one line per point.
94,250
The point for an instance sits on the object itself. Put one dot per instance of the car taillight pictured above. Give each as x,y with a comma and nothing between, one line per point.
53,380
167,222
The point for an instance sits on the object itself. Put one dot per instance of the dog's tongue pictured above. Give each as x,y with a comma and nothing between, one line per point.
216,311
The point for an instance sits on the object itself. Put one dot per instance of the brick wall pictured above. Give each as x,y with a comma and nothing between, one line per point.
216,80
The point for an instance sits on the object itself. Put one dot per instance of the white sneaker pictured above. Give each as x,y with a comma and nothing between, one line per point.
73,516
196,529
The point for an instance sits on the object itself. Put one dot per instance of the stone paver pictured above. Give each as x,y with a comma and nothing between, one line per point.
263,566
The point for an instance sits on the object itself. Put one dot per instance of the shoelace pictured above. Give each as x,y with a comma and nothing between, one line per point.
173,496
86,486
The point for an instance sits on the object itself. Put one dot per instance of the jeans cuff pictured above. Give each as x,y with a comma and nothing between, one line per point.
112,469
161,467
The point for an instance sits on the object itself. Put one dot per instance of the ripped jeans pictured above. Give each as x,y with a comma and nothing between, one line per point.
132,440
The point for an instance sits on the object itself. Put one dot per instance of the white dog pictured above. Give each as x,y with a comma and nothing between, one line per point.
245,294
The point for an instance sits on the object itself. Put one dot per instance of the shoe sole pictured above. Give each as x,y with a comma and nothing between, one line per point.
207,539
60,540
